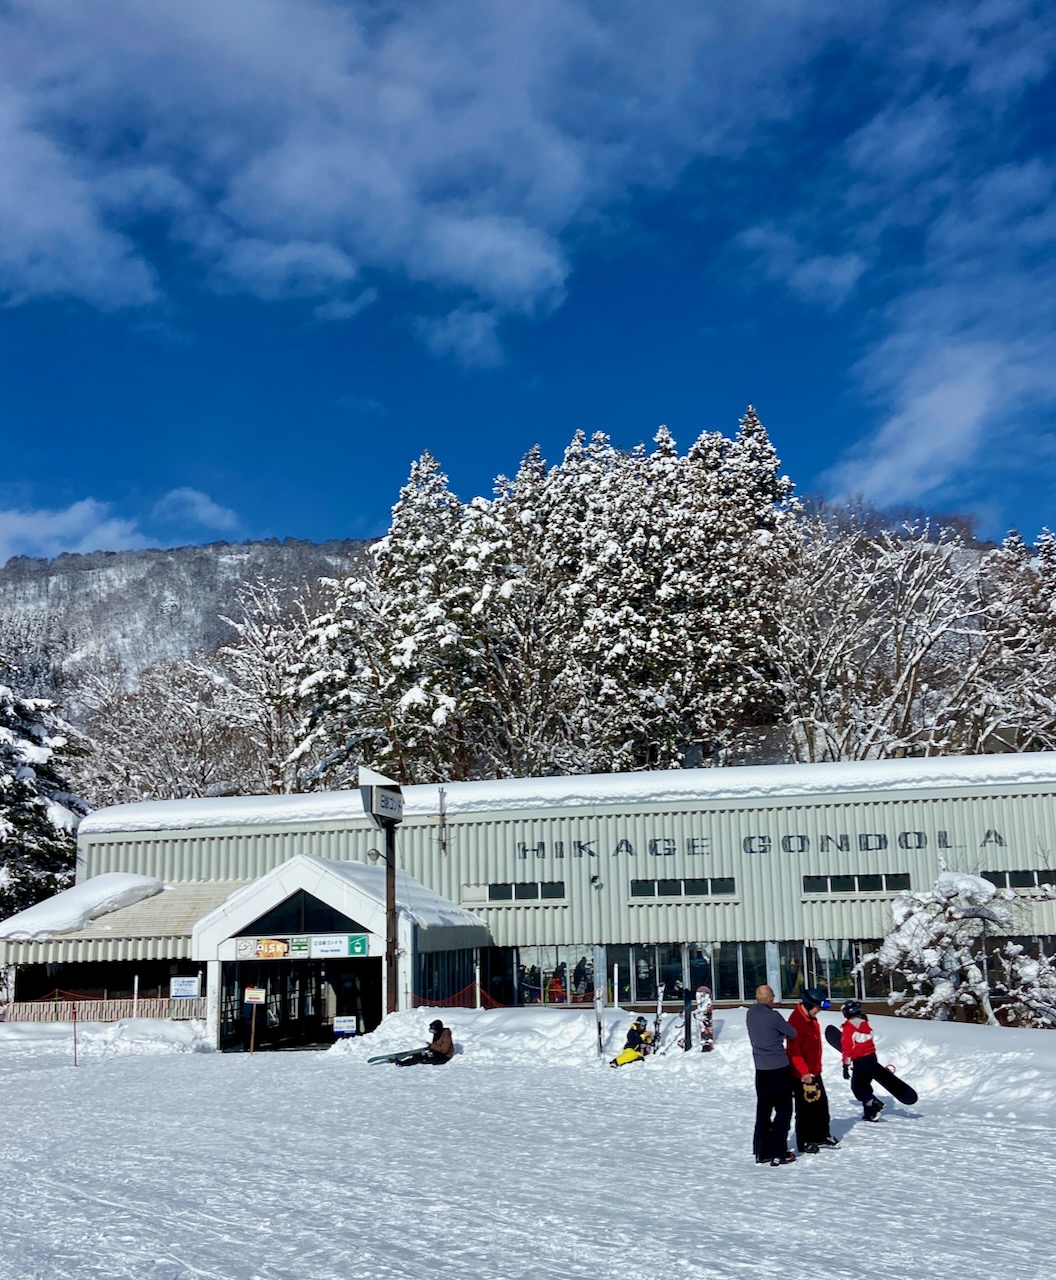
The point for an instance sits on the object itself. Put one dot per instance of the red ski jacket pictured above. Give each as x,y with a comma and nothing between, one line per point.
856,1039
804,1053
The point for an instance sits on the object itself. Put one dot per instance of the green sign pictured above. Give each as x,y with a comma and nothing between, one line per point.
358,944
299,948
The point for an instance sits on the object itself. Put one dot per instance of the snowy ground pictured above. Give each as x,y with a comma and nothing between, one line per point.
525,1157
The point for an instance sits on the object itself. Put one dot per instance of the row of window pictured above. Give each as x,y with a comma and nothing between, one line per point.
890,882
696,887
1020,879
532,891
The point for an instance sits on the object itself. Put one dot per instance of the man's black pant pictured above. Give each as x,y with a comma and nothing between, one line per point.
773,1112
812,1118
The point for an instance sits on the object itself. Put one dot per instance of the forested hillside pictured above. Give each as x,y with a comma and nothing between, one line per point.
614,611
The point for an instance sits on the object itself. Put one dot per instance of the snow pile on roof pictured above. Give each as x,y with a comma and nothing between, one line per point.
591,790
74,908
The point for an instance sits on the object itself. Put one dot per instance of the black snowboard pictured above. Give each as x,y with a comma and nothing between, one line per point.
887,1080
394,1057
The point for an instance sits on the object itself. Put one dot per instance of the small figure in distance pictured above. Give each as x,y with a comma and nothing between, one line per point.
804,1057
768,1031
639,1042
440,1050
859,1058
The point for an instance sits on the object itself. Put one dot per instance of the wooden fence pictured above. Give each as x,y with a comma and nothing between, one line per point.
101,1010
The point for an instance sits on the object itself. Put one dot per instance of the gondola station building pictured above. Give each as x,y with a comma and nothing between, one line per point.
525,891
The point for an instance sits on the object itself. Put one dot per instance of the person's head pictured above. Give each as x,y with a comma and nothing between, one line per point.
813,1001
851,1009
640,1022
436,1027
764,994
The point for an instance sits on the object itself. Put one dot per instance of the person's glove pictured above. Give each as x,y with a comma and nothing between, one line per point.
846,1071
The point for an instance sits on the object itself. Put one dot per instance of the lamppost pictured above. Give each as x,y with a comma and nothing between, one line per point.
383,801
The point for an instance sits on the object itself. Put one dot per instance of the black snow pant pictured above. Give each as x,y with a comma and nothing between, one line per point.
773,1112
423,1059
862,1072
812,1118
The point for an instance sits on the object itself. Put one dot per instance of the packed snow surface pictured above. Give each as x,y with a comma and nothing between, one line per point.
525,1158
589,791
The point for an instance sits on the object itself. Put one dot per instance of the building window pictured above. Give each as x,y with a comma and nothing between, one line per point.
530,892
1020,879
695,887
889,883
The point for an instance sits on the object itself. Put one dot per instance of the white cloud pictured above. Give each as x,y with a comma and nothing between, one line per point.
467,336
186,506
824,278
288,144
82,527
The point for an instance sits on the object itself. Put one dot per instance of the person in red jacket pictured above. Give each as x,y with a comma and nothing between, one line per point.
804,1058
859,1058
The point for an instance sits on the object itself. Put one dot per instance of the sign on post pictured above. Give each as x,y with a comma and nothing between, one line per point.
255,995
183,988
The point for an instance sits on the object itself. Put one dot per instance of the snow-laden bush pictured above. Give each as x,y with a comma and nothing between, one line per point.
1029,984
937,946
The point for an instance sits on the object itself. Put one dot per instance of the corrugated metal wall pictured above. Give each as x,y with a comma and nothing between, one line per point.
767,846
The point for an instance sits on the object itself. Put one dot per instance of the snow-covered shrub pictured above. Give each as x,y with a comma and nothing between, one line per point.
1029,984
937,946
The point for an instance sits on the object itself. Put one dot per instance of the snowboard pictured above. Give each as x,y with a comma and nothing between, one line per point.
395,1057
702,1019
883,1076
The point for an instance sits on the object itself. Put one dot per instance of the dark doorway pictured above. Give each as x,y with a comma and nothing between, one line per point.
302,999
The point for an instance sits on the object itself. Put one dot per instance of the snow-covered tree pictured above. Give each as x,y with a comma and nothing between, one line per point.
1029,985
257,669
170,737
38,815
937,946
898,642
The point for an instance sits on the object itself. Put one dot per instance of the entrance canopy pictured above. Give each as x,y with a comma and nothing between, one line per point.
354,892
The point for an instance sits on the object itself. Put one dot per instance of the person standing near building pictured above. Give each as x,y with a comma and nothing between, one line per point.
804,1057
859,1058
768,1031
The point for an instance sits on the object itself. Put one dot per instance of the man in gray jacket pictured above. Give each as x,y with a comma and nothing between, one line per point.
768,1031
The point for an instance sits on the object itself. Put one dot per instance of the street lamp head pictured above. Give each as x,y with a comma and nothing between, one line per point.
373,854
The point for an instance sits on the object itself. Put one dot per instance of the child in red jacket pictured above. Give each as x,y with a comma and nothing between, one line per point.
859,1058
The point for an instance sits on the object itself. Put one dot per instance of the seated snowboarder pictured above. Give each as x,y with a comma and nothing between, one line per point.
639,1043
440,1050
859,1058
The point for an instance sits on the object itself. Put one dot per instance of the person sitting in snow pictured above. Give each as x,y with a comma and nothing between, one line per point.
440,1050
639,1043
804,1057
859,1058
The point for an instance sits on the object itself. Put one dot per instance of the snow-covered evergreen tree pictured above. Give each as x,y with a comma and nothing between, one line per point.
937,946
38,815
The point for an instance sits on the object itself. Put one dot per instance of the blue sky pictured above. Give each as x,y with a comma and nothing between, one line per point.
257,255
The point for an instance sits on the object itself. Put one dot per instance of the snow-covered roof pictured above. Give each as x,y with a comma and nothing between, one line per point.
791,781
73,909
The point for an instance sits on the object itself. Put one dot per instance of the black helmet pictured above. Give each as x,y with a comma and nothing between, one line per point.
851,1009
436,1026
813,998
641,1022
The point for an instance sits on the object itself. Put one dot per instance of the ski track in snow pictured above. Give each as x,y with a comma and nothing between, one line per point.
527,1157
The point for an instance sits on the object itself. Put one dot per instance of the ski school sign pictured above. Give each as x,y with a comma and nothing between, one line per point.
755,843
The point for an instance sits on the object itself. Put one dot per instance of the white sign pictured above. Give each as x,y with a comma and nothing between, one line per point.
345,1025
255,995
329,945
183,988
